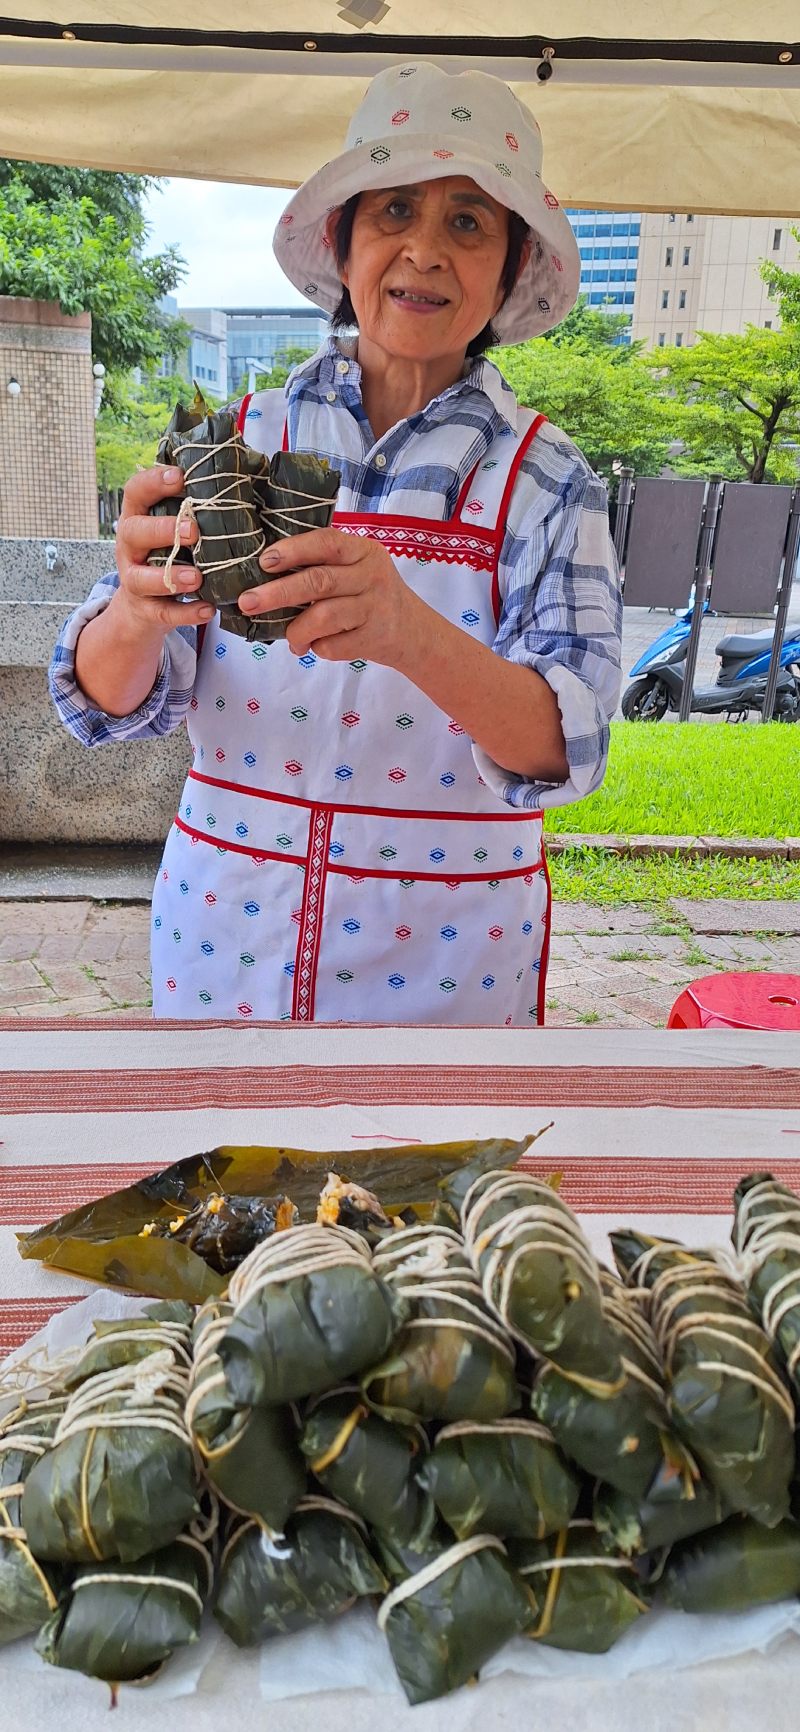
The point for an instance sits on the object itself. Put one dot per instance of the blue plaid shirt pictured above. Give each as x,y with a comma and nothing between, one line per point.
561,605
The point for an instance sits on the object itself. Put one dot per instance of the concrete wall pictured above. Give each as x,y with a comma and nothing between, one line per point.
51,788
48,474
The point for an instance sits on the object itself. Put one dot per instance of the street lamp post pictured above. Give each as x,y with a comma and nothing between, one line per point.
256,364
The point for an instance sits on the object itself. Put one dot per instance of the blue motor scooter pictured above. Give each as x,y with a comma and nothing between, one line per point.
741,684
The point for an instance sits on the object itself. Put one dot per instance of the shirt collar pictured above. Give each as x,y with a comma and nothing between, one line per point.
480,375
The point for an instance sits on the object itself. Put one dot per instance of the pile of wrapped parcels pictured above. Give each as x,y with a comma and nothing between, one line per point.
459,1416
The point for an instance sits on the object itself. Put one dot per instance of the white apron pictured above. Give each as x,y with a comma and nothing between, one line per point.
336,856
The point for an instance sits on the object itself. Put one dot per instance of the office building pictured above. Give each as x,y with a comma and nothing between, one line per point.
608,242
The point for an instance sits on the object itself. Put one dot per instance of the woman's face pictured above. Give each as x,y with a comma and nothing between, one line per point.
425,266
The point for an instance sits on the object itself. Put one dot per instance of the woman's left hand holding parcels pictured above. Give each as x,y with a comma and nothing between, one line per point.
354,601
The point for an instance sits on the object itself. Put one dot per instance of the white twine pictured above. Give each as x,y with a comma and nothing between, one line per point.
137,1387
297,1252
142,1581
454,1555
495,1428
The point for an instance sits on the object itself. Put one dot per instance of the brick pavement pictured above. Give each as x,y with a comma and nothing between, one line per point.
622,967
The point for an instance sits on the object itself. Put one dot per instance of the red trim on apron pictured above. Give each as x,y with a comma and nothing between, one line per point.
310,935
544,958
357,873
517,817
242,415
513,472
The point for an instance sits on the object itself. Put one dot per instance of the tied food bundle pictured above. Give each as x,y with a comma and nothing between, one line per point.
446,1408
241,502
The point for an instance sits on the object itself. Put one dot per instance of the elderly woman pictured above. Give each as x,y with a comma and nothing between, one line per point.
360,836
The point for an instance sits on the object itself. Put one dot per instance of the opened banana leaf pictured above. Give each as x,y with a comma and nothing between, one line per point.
539,1274
321,1567
308,1312
767,1237
737,1565
727,1400
129,1339
119,1480
368,1464
452,1359
505,1478
444,1621
121,1622
249,1455
585,1599
28,1588
105,1240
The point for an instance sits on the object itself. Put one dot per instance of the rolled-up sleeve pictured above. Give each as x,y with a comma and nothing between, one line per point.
561,614
165,706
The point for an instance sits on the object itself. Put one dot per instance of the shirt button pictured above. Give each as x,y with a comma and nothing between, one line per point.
343,366
380,461
330,396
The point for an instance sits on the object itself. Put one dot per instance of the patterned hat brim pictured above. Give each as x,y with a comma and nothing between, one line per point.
546,289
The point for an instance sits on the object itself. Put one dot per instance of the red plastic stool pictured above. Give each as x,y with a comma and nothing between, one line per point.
768,1001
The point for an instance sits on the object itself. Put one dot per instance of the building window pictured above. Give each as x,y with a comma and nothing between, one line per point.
767,324
777,239
690,219
682,300
679,339
668,257
662,337
687,253
672,216
664,299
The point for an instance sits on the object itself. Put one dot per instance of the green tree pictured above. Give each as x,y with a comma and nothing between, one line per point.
784,287
611,409
282,366
590,330
70,250
128,428
735,402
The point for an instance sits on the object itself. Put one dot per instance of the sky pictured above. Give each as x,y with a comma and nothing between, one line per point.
224,233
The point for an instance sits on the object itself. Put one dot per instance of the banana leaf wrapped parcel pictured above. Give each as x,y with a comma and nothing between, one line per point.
727,1400
735,1566
458,1608
121,1622
368,1464
126,1340
539,1274
309,1311
241,503
452,1359
250,1455
505,1477
120,1477
28,1589
766,1236
584,1598
322,1565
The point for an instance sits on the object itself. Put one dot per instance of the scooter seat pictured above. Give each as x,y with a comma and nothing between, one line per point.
753,644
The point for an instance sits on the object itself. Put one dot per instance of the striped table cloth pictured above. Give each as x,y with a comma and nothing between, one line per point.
653,1127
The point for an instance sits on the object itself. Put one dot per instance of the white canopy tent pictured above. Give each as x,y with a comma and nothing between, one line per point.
650,104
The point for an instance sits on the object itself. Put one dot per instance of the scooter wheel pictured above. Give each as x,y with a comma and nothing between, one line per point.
646,700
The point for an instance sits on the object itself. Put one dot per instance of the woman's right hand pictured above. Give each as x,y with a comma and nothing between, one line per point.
148,606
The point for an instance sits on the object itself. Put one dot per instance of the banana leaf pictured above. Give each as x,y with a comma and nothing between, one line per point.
105,1241
452,1189
726,1398
249,1455
539,1274
667,1513
121,1622
322,1566
308,1312
367,1464
296,492
585,1599
735,1566
28,1589
119,1480
129,1339
506,1478
452,1360
766,1235
444,1621
220,472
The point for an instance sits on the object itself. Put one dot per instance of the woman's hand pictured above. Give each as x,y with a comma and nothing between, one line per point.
354,600
142,595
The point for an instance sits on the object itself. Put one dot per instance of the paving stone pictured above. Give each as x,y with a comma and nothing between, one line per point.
19,946
16,976
645,1009
726,915
66,979
43,916
58,947
24,997
98,947
125,986
88,1006
584,917
136,947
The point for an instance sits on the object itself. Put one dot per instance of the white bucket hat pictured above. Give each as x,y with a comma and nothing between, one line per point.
416,123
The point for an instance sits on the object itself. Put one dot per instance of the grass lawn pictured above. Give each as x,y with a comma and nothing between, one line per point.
590,875
694,780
